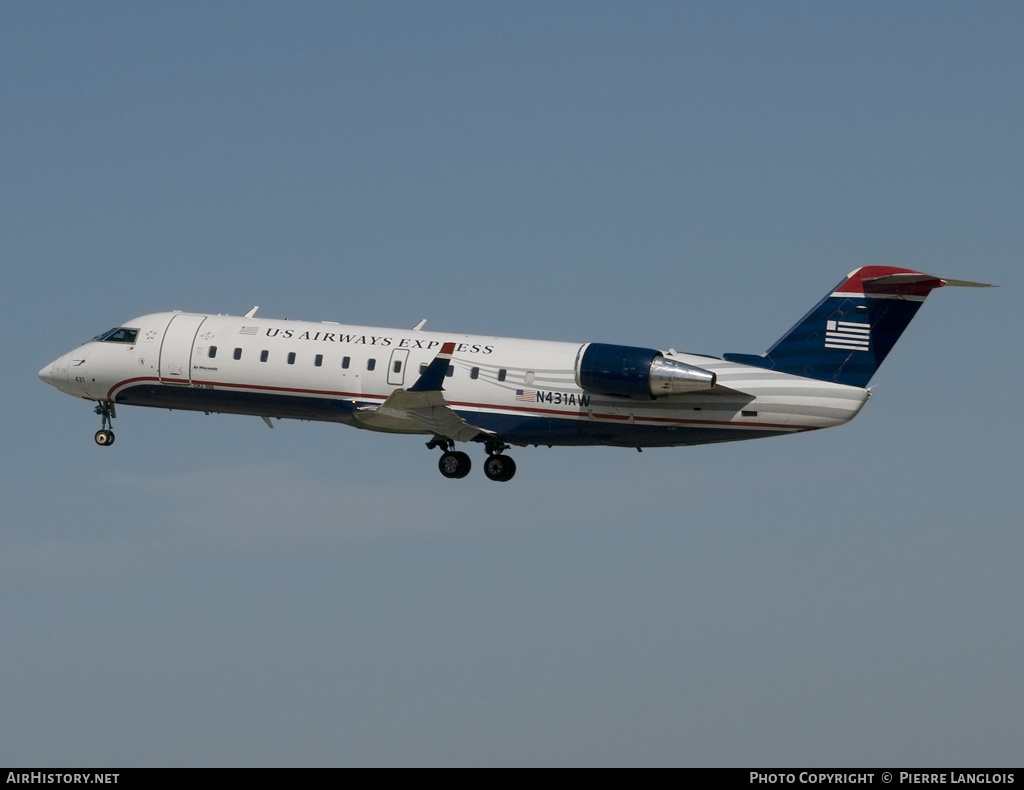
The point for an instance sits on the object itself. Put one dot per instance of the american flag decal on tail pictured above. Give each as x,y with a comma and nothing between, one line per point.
848,335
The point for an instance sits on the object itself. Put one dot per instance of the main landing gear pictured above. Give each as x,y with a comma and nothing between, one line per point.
499,467
104,436
456,464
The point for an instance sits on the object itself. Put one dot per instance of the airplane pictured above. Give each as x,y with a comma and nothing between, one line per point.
501,392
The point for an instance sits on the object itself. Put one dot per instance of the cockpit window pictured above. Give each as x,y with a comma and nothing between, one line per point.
119,335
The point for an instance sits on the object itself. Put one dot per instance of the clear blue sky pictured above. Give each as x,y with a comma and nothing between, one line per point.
693,175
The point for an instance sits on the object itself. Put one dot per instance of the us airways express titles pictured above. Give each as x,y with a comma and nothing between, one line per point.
501,392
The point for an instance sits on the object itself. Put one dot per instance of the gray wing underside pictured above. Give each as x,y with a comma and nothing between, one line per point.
418,412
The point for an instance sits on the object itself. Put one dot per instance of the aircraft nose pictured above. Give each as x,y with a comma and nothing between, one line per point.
46,374
56,373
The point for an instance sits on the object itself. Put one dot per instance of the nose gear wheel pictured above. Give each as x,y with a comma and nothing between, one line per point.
104,436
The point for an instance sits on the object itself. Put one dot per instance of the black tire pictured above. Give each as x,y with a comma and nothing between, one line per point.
104,438
454,465
500,468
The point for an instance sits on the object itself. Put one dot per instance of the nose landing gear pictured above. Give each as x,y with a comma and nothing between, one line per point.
104,436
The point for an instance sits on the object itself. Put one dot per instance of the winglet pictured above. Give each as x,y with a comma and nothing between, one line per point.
433,376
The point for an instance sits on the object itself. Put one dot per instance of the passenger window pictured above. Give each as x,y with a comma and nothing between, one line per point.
318,360
345,362
398,366
371,364
501,374
450,372
423,368
213,352
263,355
474,373
291,357
238,353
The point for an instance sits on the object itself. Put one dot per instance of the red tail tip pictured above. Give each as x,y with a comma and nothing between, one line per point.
890,280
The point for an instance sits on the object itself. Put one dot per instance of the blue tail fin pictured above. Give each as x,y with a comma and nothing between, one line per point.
849,332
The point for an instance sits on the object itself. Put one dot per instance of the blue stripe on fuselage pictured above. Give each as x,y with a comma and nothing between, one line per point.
512,428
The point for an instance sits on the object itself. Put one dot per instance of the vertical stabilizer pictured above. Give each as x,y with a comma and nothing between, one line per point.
848,334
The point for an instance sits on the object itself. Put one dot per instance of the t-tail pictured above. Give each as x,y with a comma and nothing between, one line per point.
850,332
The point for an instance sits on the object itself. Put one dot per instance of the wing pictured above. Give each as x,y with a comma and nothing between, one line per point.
422,408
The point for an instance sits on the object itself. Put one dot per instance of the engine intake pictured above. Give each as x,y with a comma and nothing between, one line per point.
629,372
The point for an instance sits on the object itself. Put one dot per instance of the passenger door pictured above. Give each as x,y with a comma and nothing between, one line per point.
176,350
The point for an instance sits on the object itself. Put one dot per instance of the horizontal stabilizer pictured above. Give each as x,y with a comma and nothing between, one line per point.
912,282
968,284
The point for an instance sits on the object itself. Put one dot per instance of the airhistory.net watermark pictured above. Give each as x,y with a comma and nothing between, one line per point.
47,778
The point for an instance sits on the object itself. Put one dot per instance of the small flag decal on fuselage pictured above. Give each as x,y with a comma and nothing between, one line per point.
526,395
848,335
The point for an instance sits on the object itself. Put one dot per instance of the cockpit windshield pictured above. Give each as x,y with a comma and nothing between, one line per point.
119,335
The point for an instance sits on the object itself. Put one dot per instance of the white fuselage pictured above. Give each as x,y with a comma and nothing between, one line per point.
520,391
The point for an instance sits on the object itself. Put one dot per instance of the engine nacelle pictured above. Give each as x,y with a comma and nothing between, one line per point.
629,372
